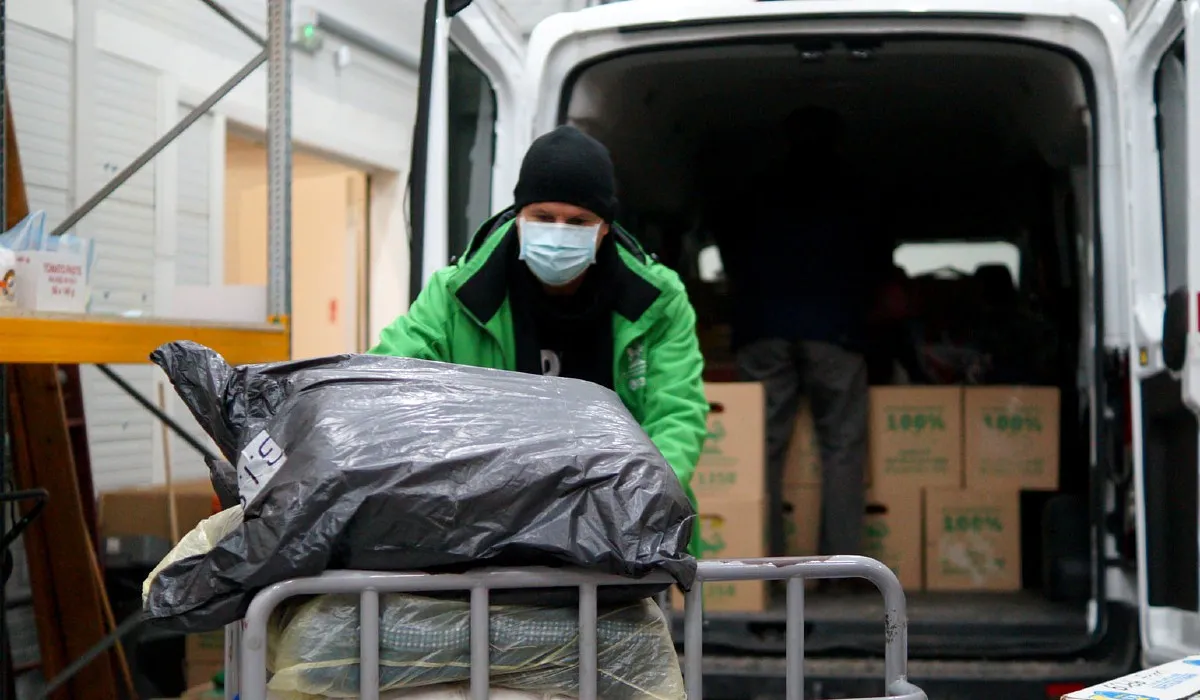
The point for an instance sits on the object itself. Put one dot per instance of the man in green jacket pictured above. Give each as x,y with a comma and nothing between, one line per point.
553,286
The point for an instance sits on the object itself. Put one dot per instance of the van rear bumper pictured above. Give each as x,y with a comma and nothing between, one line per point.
748,678
731,674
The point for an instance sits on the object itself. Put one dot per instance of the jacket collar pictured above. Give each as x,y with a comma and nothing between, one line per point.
484,272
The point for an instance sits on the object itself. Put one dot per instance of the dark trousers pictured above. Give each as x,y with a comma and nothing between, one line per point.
835,381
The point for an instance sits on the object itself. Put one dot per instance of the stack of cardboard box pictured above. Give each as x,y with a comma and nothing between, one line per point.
945,471
915,445
1010,444
730,488
956,460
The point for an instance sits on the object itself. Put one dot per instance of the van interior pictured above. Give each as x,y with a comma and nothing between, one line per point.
974,161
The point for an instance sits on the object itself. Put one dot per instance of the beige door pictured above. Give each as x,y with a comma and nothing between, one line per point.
329,226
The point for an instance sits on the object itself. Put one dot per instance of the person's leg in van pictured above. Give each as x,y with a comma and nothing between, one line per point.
773,363
836,384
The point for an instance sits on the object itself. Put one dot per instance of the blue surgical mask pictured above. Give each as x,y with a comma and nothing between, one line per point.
557,253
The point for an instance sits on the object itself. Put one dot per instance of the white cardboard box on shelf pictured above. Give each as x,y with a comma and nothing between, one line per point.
8,278
54,281
1177,680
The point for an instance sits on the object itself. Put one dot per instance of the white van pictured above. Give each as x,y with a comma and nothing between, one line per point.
1052,132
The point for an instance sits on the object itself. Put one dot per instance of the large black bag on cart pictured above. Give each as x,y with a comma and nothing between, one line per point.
383,463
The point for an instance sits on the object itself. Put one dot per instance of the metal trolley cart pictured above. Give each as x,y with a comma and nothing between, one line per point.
246,641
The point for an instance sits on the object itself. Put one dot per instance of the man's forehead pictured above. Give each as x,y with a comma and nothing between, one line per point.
561,209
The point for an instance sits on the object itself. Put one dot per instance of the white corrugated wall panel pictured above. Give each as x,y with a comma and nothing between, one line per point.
39,77
191,21
192,252
120,432
192,214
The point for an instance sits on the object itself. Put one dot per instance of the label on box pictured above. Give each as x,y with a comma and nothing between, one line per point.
973,540
916,436
731,529
732,461
54,281
205,647
1012,437
1176,680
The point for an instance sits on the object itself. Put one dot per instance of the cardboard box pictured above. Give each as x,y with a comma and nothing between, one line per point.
915,436
205,647
802,520
144,510
204,691
204,656
972,540
892,533
803,464
1012,436
55,281
8,278
731,529
200,674
732,462
1176,680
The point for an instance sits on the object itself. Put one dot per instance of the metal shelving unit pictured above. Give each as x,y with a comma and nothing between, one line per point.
32,337
37,338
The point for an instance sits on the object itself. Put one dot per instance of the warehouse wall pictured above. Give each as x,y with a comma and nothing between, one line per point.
94,82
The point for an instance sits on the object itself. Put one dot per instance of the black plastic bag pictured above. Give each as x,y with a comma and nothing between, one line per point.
224,480
383,463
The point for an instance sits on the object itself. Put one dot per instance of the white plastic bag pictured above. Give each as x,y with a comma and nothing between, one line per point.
70,243
313,647
200,540
28,234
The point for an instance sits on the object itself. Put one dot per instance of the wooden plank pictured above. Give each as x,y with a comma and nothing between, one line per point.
80,597
72,394
66,339
51,644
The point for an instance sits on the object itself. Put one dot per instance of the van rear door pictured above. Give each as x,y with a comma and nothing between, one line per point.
471,73
1162,112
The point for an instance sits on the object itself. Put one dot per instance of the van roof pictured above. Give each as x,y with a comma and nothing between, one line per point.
629,13
651,15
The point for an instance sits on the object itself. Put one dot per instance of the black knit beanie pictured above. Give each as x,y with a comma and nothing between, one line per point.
568,166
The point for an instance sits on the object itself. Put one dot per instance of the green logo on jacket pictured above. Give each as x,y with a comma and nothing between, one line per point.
635,367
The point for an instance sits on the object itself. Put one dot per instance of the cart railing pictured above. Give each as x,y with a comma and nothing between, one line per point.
246,641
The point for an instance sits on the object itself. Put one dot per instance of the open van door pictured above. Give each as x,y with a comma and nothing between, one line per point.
1162,111
468,108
